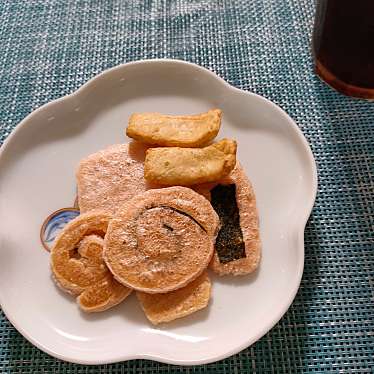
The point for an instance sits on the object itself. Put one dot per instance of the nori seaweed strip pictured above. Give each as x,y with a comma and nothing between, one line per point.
178,211
167,227
229,243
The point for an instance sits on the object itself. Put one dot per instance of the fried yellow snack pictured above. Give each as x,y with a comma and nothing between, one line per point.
175,131
188,166
176,304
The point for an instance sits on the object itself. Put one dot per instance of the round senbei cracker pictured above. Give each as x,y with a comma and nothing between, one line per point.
161,240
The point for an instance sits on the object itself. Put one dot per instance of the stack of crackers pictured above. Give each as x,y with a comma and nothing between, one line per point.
155,214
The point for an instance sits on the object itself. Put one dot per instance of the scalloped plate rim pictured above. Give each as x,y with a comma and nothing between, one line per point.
303,218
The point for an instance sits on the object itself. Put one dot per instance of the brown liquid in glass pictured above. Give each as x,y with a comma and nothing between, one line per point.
344,45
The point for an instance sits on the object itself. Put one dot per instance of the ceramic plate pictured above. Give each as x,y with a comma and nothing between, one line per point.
37,165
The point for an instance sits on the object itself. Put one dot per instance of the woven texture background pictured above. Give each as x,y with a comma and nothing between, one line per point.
50,48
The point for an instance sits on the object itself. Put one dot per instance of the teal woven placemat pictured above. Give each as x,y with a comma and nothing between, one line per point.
50,48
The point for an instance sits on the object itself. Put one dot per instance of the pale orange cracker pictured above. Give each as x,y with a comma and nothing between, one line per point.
161,240
78,267
246,201
108,178
176,304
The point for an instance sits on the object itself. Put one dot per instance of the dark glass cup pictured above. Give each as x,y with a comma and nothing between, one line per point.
343,45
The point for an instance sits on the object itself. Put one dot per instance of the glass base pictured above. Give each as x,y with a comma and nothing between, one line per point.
344,88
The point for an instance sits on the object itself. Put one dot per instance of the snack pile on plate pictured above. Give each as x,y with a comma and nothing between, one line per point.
155,214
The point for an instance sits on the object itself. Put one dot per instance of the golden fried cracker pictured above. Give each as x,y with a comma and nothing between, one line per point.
188,166
175,131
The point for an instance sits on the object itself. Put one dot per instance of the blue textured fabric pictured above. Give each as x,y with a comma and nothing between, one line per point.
49,48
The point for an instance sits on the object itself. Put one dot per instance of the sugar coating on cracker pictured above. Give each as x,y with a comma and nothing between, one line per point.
161,240
110,177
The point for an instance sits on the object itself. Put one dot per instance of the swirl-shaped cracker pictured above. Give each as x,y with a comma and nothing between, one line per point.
78,266
161,240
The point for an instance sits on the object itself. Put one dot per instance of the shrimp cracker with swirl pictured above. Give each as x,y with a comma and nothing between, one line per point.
78,267
161,240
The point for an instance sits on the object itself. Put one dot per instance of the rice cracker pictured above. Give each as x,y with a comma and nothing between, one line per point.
78,267
167,307
108,178
161,240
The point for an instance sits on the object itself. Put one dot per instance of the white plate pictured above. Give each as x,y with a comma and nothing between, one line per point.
37,165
